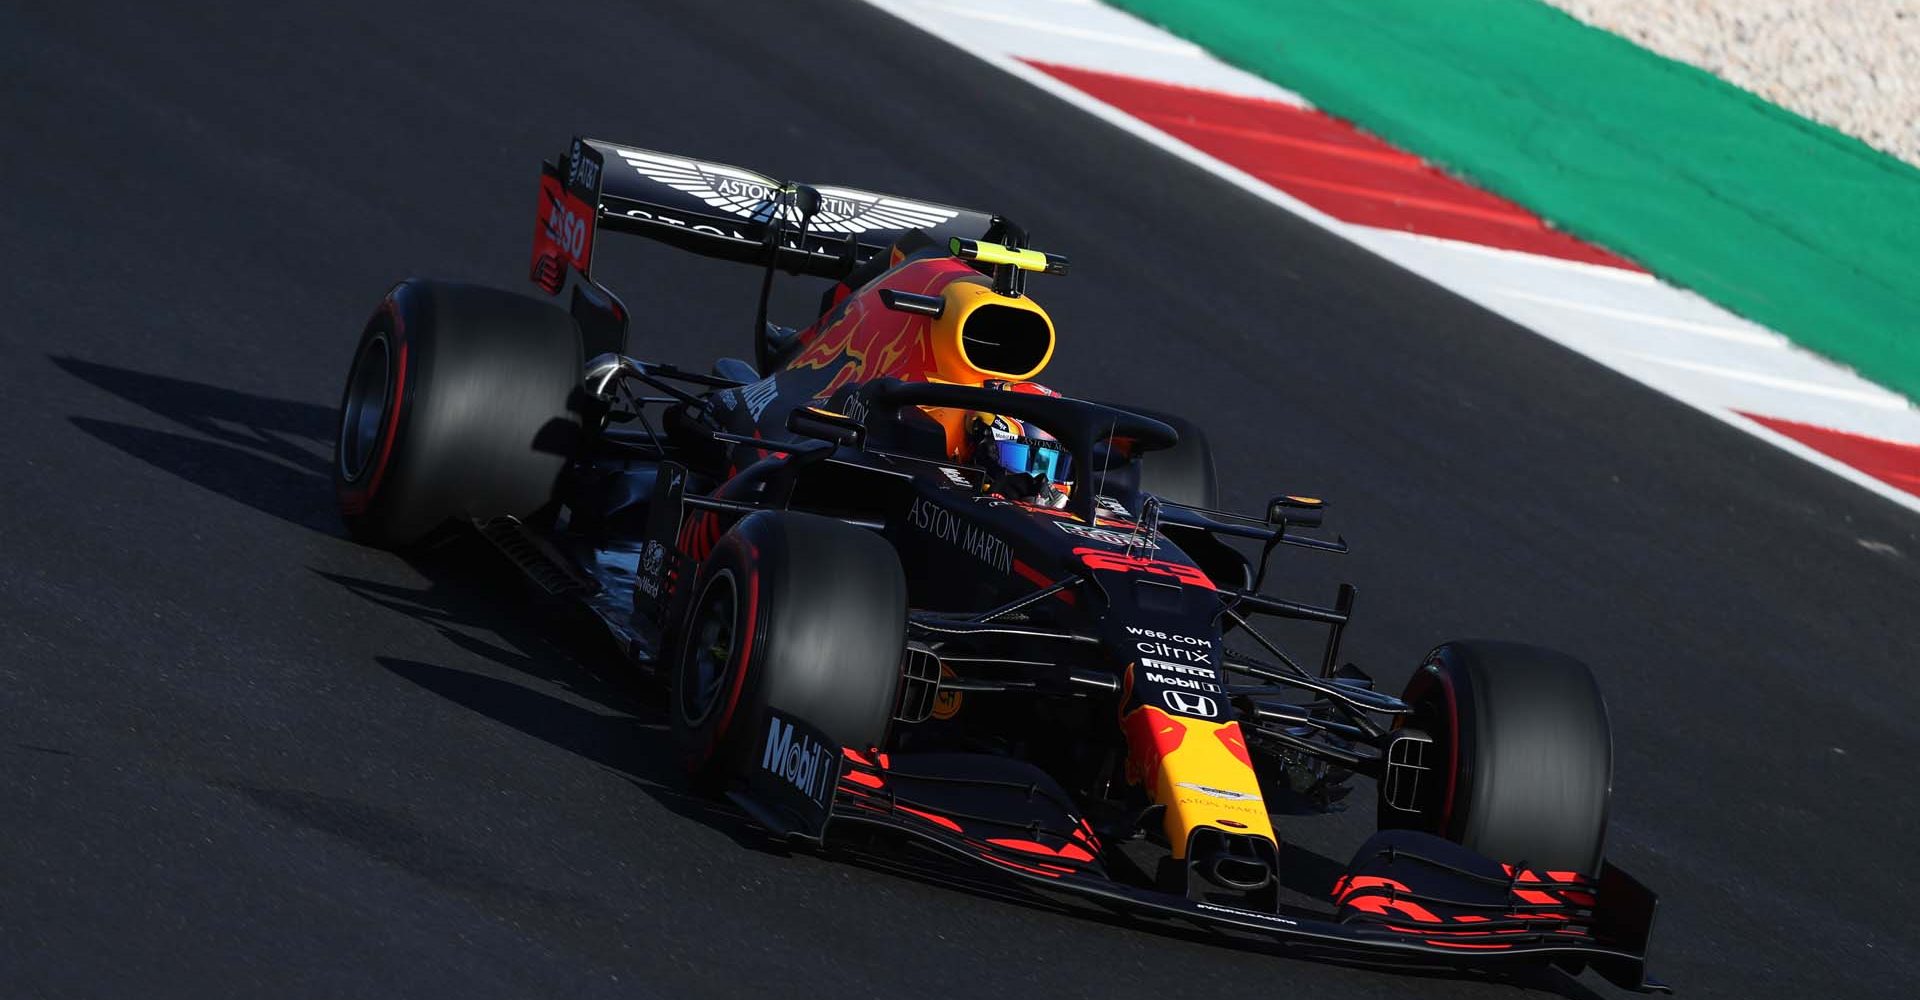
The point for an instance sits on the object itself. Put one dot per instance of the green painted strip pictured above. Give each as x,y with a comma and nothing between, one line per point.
1787,222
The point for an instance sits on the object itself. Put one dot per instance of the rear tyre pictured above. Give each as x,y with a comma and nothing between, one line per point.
790,613
1522,758
457,406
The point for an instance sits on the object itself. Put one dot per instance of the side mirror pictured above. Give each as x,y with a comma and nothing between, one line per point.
826,425
1287,509
913,302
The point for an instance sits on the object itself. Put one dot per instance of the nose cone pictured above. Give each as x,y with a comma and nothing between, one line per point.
1184,747
1199,769
1234,862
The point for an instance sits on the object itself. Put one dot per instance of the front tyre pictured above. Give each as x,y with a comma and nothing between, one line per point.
790,613
1521,764
457,406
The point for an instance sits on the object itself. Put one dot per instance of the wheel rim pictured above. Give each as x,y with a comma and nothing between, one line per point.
364,417
1432,714
709,656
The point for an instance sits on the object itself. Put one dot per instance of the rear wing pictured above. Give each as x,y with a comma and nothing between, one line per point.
719,210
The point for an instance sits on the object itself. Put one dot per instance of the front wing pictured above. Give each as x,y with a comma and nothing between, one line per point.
1409,900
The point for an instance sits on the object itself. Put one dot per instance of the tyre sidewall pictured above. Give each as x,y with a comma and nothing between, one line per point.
1525,750
703,741
358,494
827,607
481,421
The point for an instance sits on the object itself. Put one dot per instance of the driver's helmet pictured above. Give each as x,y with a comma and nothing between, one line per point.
1022,461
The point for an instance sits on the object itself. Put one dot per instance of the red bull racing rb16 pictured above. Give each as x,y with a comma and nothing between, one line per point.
901,597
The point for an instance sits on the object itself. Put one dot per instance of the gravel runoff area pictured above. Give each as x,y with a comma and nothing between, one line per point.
1851,64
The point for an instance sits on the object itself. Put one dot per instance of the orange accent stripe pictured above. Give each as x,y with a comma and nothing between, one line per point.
1070,851
1039,579
933,818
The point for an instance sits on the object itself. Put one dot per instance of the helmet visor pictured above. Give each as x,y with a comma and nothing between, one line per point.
1034,457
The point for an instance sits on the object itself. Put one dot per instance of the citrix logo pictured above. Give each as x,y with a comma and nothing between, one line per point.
1174,652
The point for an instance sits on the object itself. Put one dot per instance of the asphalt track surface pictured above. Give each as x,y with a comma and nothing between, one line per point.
242,756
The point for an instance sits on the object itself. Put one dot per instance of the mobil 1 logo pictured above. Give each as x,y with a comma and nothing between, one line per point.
1180,675
797,766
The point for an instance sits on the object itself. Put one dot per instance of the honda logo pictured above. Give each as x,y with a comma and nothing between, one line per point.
1188,703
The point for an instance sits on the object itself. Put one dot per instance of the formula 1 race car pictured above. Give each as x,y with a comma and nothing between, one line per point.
896,592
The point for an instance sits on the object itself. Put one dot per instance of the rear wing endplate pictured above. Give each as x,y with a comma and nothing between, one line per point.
563,233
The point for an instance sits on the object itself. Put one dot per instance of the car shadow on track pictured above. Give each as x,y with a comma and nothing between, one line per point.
272,455
608,715
267,453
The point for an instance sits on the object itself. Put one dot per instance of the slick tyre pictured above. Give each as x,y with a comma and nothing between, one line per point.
1185,474
794,614
457,406
1521,765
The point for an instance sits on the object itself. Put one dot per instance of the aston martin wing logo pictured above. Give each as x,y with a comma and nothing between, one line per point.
756,196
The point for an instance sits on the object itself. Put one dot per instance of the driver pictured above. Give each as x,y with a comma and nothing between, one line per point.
1022,461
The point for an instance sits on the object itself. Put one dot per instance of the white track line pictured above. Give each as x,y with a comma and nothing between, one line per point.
1873,396
1759,337
1174,48
1589,269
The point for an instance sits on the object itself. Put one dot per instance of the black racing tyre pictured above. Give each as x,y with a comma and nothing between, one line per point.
1183,473
1522,759
793,613
457,406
